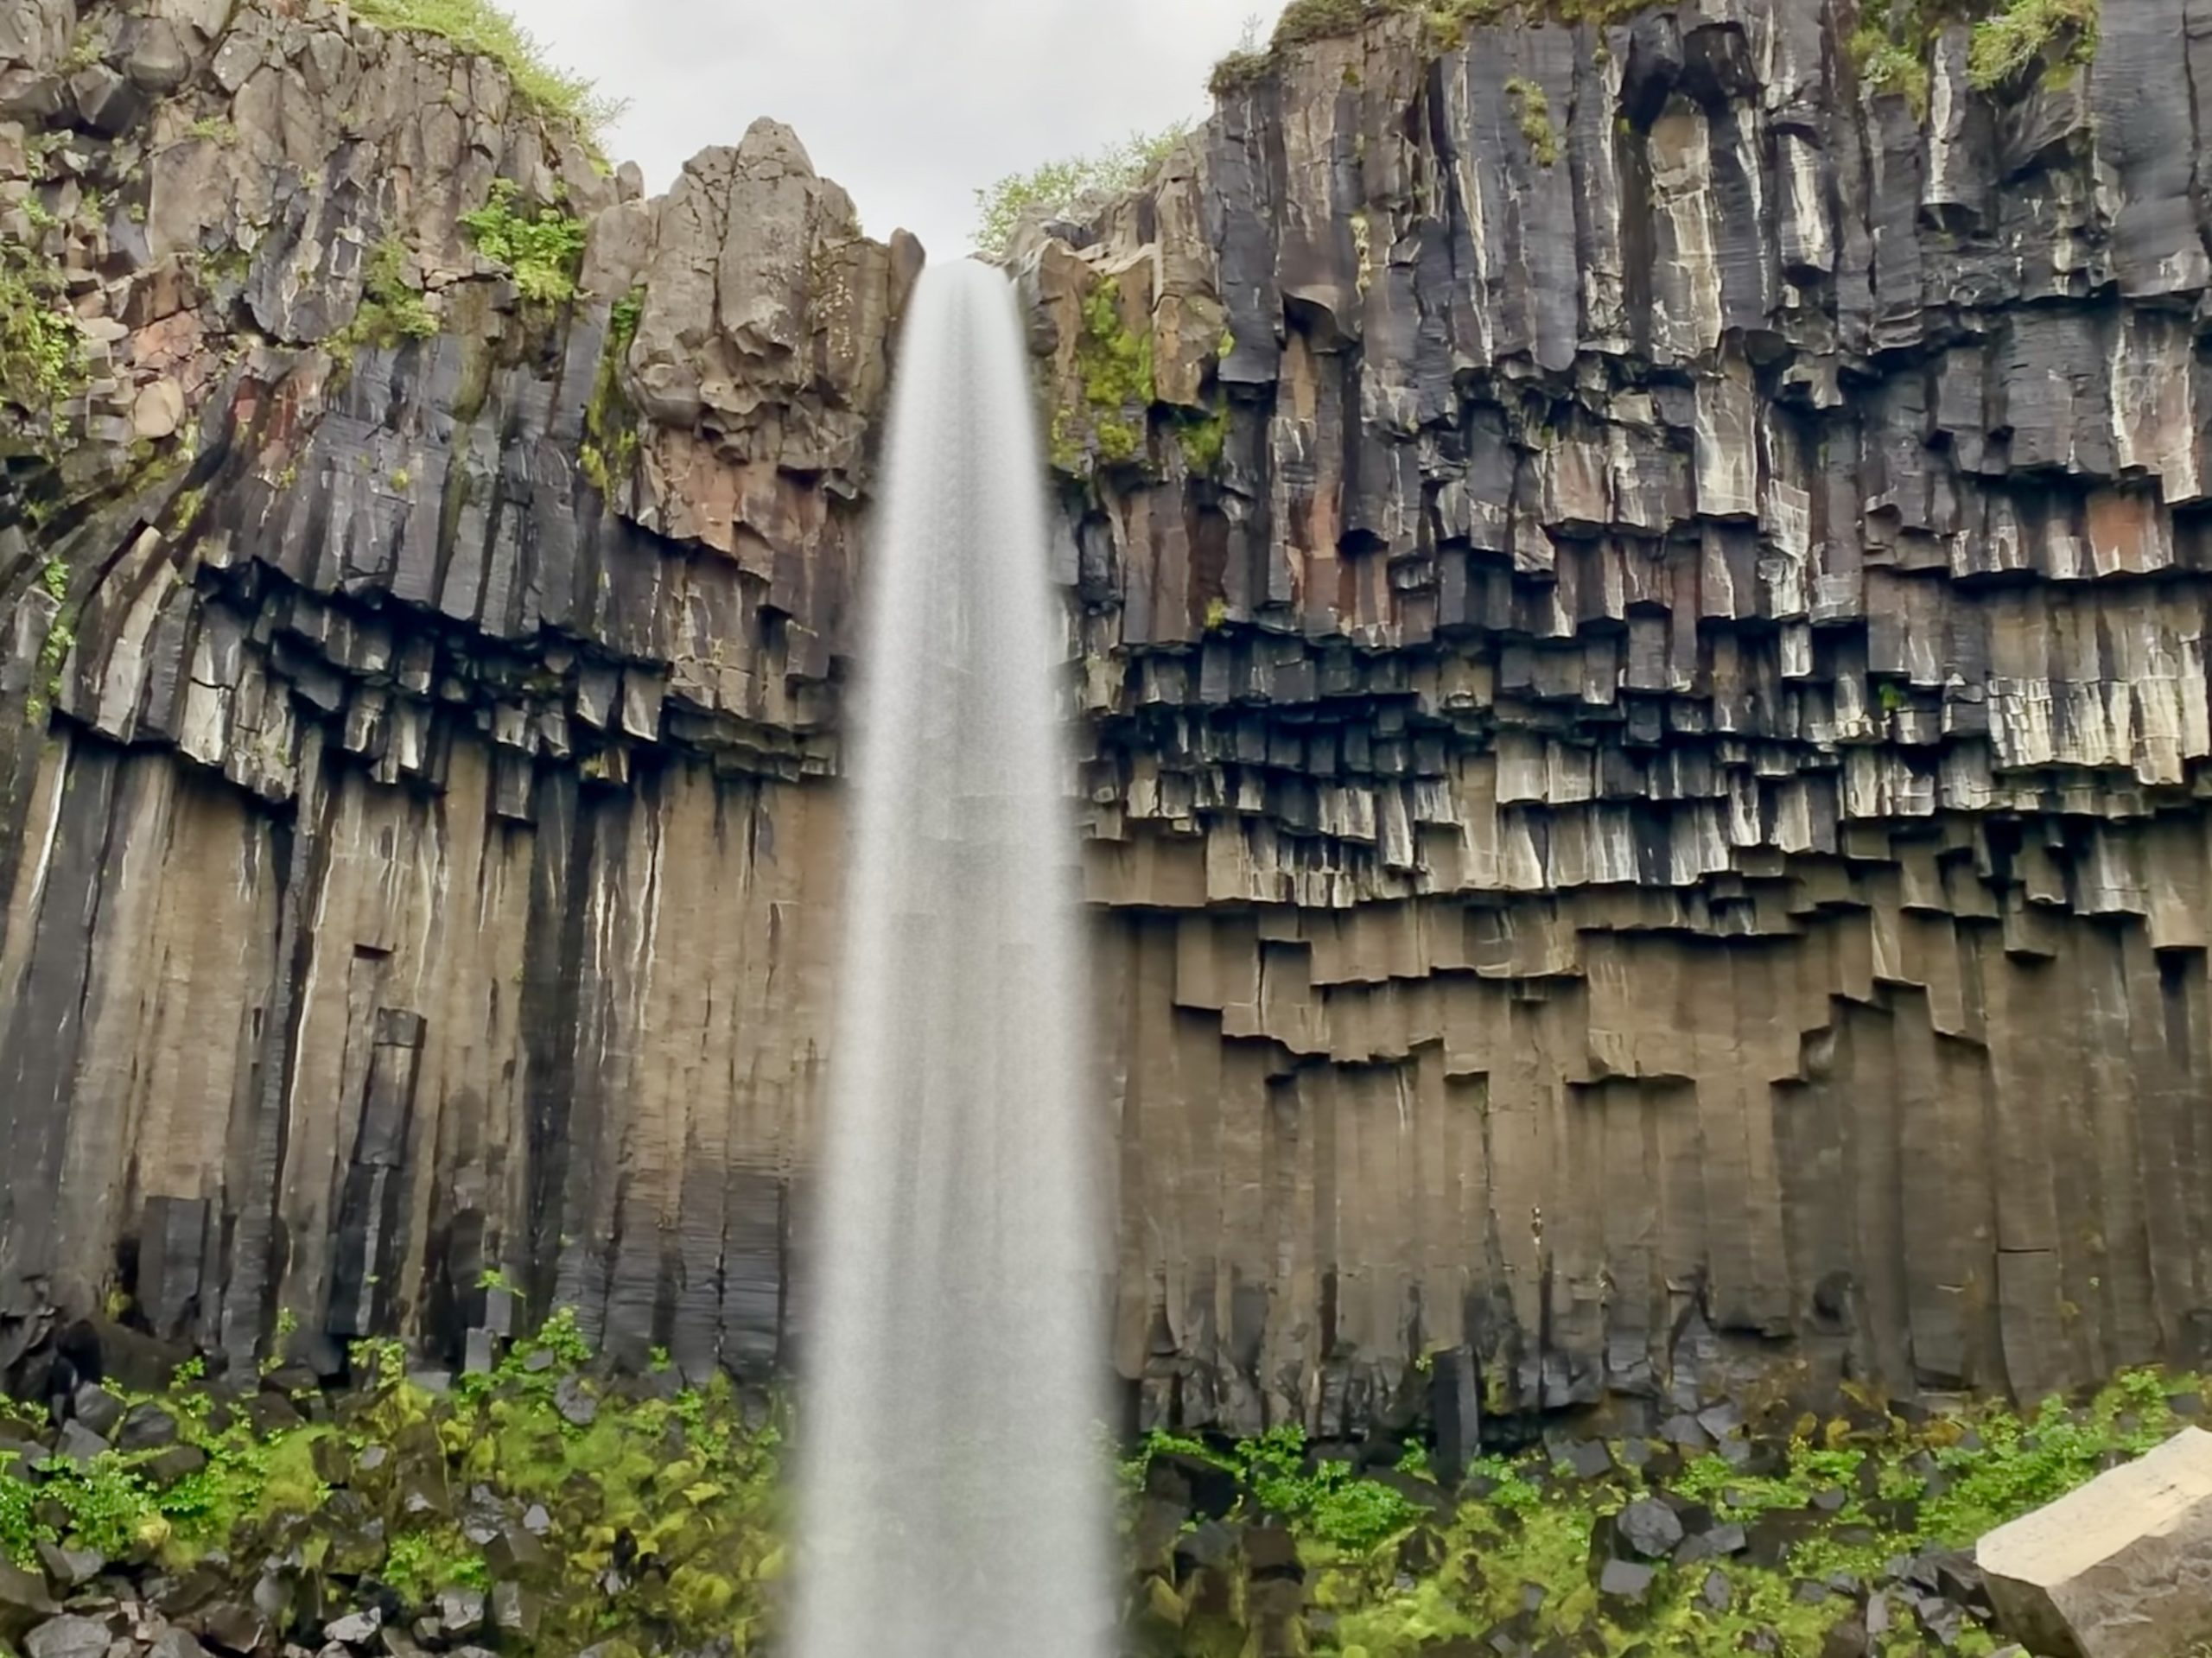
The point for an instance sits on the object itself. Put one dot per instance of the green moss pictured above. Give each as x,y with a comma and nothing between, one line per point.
1114,365
60,639
544,250
214,129
42,346
1533,112
392,311
610,449
1202,439
2060,34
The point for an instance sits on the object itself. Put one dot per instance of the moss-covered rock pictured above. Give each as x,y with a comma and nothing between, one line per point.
652,1523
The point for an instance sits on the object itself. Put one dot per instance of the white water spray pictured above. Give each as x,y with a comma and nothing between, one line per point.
952,1492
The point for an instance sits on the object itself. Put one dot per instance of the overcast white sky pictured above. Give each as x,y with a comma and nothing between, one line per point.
908,103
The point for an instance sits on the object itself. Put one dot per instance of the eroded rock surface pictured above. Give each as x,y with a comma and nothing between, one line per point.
1638,621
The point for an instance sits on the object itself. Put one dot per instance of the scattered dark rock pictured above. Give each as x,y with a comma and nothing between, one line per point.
1272,1552
1717,1593
575,1403
516,1609
1848,1639
1943,1620
1649,1527
97,1408
68,1637
1627,1581
69,1568
23,1600
1202,1489
1584,1459
355,1629
461,1611
167,1467
1958,1578
272,1413
1208,1543
233,1627
173,1642
1716,1543
1877,1615
144,1428
1722,1420
79,1443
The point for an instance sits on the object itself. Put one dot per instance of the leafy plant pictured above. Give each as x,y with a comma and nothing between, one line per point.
20,1529
1534,115
392,311
1114,364
478,27
545,249
609,448
111,1507
41,347
1331,1502
2063,32
1062,187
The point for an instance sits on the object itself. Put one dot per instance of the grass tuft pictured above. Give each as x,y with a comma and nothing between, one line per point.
480,27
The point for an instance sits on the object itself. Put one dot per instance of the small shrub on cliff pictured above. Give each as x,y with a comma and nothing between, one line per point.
41,347
392,311
2061,31
545,249
480,27
1533,112
1063,186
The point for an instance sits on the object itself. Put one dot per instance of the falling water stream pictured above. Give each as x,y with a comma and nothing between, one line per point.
951,1493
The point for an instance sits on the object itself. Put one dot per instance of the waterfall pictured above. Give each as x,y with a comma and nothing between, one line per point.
952,1492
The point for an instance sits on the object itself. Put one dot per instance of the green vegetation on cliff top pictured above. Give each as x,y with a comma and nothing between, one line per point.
1060,187
479,26
1890,46
543,248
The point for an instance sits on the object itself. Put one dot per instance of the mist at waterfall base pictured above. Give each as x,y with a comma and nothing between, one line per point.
952,1490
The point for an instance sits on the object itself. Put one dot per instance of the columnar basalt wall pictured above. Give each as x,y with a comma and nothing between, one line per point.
1638,612
1643,610
416,872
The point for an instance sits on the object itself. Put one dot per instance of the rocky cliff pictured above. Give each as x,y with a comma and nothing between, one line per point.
1636,606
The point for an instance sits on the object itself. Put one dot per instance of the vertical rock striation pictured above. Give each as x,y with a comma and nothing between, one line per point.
1642,612
1638,607
409,871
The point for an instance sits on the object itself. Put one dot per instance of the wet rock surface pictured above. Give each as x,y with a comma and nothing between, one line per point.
1644,716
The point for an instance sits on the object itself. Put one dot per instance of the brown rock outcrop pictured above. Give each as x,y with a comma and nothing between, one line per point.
1641,616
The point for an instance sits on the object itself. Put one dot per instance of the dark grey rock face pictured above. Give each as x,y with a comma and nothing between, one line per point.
1644,680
